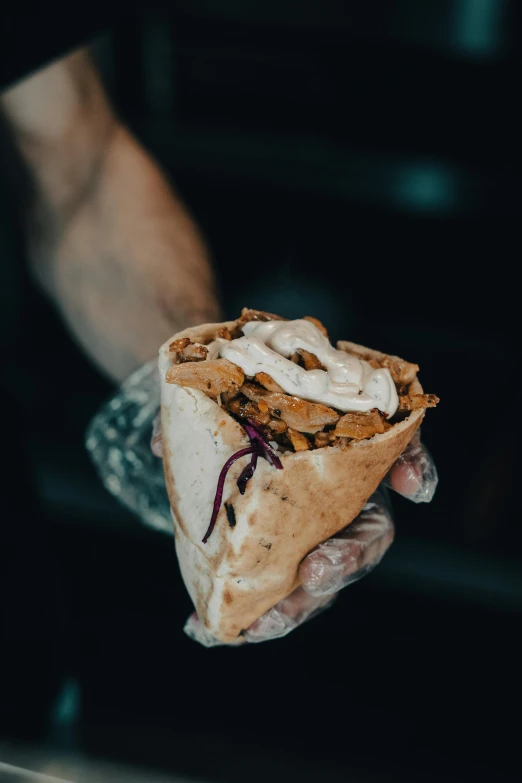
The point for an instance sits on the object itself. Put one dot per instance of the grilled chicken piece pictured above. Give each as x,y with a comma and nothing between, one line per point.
412,402
246,409
213,377
340,443
321,439
187,351
194,353
402,372
300,415
224,333
311,362
178,345
360,425
257,315
299,441
265,380
277,426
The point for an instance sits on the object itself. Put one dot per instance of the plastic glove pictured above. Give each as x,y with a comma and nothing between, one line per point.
343,559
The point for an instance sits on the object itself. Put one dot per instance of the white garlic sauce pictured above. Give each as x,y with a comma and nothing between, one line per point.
348,384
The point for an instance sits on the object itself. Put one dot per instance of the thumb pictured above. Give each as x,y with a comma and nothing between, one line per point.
414,475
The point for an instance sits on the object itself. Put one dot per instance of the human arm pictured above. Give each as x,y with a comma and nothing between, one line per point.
108,239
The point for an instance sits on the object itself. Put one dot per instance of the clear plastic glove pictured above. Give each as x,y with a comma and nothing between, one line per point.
343,559
124,441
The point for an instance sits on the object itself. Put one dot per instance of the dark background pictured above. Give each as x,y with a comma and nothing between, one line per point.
360,162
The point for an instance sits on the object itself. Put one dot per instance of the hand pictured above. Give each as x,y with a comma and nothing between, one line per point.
343,559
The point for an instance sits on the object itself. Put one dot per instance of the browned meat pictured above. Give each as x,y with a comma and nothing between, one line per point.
213,377
265,380
341,443
316,322
257,315
194,353
299,414
321,439
277,426
233,403
360,425
310,361
401,371
299,441
412,402
224,333
187,351
263,406
245,409
178,345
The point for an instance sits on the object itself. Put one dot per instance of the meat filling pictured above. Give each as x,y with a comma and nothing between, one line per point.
300,415
295,424
213,376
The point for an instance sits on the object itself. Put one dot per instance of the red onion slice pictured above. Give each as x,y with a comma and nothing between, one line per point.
257,437
221,483
259,448
247,473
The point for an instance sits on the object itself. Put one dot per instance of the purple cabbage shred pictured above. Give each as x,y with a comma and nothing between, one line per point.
259,447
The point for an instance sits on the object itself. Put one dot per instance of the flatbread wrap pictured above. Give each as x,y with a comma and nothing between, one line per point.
273,441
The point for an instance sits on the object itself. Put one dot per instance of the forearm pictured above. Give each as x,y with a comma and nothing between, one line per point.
109,241
130,268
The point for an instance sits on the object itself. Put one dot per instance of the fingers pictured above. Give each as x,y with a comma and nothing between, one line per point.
196,631
156,444
414,475
292,611
351,554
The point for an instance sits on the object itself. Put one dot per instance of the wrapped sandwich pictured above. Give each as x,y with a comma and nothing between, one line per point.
273,441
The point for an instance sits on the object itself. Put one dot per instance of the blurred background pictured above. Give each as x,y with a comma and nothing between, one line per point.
360,162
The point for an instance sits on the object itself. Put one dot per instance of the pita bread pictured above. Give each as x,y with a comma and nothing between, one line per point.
244,570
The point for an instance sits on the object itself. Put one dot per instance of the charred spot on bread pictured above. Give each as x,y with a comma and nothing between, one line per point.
227,597
231,514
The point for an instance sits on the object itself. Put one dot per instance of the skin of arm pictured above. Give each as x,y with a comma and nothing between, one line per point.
108,240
